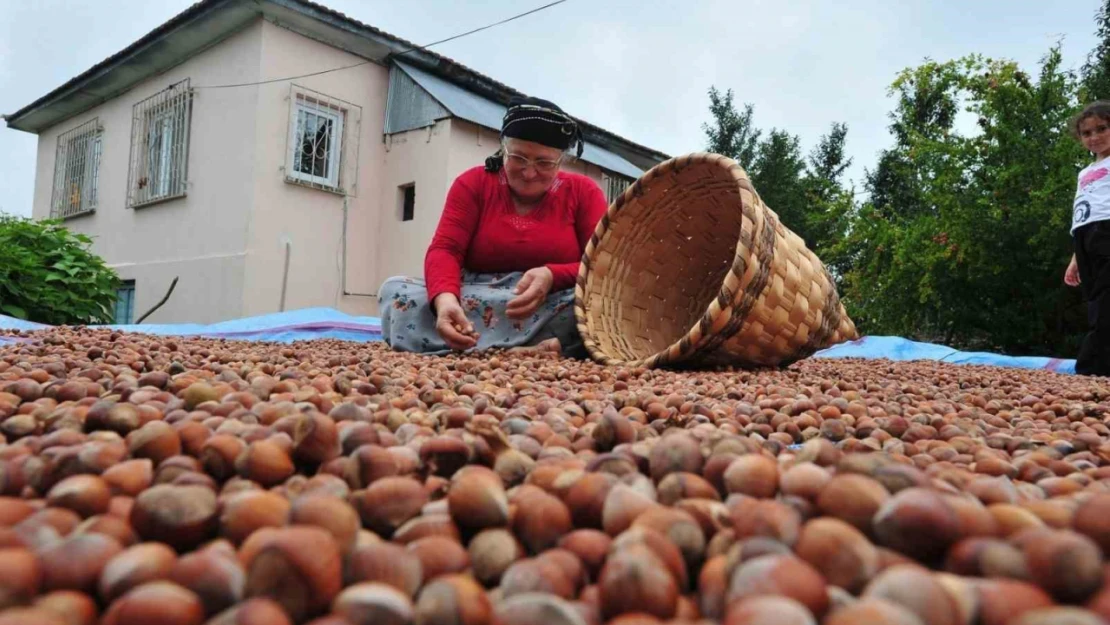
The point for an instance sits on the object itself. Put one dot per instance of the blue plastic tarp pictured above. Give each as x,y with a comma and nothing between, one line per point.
283,327
898,348
319,323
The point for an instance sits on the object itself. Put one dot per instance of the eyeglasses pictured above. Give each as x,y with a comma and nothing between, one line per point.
542,165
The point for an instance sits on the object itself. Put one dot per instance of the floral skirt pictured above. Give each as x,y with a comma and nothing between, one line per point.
408,323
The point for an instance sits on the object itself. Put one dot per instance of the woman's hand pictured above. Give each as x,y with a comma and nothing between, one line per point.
1071,275
452,324
531,291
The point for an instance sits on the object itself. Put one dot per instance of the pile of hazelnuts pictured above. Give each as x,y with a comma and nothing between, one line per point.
189,481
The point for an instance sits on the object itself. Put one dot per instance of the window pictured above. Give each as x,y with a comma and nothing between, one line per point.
322,150
76,171
160,146
614,185
408,201
125,304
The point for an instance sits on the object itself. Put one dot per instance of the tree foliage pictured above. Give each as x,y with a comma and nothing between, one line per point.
961,234
48,275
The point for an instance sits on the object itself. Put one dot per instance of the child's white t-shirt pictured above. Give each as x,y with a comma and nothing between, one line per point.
1092,195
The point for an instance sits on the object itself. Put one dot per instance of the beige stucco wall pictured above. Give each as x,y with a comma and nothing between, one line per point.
311,220
200,238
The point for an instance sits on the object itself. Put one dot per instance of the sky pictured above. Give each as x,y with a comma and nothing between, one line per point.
639,68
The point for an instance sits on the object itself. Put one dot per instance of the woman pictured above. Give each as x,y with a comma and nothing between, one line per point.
501,267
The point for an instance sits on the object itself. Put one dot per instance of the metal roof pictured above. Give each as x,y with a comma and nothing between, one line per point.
484,112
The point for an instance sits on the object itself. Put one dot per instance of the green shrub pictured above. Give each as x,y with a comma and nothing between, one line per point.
49,275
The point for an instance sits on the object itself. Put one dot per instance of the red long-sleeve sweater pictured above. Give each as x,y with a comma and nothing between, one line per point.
481,231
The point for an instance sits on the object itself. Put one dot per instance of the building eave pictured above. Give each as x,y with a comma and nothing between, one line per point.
209,22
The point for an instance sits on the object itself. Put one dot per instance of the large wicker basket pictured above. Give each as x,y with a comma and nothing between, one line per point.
689,268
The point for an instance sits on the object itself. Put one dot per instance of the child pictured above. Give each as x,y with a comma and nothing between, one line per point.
1090,265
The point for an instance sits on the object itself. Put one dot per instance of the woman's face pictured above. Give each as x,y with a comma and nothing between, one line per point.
530,167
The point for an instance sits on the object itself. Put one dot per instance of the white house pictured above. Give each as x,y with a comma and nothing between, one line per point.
190,154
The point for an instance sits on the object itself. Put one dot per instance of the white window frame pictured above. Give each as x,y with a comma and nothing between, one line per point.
306,106
77,162
614,185
160,137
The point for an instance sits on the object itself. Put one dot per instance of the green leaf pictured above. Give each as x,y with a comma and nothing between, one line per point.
14,311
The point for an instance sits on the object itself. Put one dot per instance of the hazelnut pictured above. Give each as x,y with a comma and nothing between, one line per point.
753,475
214,573
130,477
1092,518
444,455
86,495
772,519
425,525
371,603
805,480
776,610
492,551
674,453
246,512
1066,564
853,498
453,599
586,498
156,440
180,516
134,566
680,528
156,602
536,575
633,579
840,552
299,567
75,608
387,503
540,521
536,609
476,499
712,587
76,562
784,575
623,504
21,576
264,462
31,616
873,611
13,510
219,453
315,439
591,547
385,563
330,513
918,523
663,549
916,589
987,557
1002,600
370,463
439,556
257,611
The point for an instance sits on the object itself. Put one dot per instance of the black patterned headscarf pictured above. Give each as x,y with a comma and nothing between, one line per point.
538,121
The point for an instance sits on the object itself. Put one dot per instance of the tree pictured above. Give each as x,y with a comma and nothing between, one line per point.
777,177
731,134
49,275
808,196
965,237
1096,71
